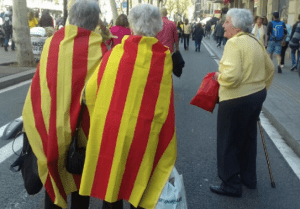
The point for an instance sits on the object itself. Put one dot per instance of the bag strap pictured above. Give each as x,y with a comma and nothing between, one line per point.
250,35
81,111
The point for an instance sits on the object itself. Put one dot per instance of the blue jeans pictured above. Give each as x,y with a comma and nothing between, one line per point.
294,61
6,40
224,41
197,45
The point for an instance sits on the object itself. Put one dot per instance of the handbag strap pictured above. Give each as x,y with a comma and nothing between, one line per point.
80,113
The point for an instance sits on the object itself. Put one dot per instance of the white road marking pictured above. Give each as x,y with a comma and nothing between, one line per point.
7,150
289,155
15,86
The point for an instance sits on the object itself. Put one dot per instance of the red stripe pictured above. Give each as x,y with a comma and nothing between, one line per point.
103,48
113,119
49,188
144,122
37,108
79,72
166,134
52,71
102,68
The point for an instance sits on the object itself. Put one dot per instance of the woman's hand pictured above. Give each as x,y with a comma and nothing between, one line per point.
216,76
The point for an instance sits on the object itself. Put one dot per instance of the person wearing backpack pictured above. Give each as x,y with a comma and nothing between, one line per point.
277,33
7,27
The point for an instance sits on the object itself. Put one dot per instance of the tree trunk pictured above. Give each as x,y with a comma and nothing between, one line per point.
140,1
113,7
21,34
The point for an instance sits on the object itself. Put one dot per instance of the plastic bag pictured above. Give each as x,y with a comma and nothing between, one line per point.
208,93
173,195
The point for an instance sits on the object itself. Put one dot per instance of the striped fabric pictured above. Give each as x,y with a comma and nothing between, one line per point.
52,106
131,148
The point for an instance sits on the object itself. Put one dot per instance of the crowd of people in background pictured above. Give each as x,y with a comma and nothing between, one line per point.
262,29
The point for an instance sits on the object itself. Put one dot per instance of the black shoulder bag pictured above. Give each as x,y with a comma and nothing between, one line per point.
27,163
76,156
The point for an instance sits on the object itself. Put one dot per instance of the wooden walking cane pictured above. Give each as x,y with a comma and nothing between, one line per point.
266,152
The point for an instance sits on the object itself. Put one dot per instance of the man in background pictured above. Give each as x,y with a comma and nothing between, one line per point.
168,36
277,33
46,20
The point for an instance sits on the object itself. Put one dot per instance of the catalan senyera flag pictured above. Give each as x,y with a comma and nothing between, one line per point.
132,145
53,103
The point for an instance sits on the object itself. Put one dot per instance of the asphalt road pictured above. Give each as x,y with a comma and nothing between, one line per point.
196,134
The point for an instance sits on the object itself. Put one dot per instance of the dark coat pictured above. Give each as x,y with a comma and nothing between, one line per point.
198,34
46,21
295,39
219,30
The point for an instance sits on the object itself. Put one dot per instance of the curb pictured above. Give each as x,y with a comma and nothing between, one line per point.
287,137
10,80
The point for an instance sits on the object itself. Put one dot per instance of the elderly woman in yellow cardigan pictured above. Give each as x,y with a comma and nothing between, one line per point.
260,31
245,74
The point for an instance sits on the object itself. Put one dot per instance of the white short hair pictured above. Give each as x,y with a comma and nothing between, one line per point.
145,20
241,18
85,14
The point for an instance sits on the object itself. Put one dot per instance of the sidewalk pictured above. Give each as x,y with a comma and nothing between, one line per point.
12,75
282,106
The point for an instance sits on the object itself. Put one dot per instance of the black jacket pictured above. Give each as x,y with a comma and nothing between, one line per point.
46,21
219,30
198,34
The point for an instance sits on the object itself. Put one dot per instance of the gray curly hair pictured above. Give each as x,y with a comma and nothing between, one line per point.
241,18
145,20
85,14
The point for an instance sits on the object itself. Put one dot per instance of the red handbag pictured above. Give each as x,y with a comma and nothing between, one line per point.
208,93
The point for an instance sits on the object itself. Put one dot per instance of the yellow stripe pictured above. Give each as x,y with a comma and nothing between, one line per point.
98,118
45,93
34,137
94,55
64,90
160,176
129,120
59,200
160,115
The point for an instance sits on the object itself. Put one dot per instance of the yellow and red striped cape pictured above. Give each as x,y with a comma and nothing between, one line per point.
52,105
132,146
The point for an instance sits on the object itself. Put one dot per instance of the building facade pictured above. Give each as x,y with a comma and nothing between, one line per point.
287,8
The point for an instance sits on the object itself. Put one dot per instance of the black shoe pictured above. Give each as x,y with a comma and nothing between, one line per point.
249,186
5,48
279,69
221,191
293,68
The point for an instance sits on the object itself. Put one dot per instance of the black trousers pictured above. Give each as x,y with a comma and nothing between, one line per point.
186,40
77,202
283,50
83,202
219,40
237,140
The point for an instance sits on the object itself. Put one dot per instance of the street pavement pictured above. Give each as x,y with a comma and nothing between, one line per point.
196,135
